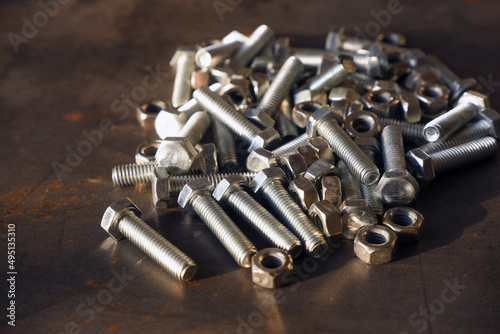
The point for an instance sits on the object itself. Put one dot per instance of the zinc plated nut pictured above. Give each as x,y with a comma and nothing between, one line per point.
405,222
375,244
362,124
272,268
121,220
146,152
304,192
326,216
331,190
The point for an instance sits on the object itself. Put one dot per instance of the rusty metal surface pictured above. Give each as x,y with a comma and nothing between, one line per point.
79,68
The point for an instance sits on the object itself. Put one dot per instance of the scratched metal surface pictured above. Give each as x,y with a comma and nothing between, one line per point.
91,55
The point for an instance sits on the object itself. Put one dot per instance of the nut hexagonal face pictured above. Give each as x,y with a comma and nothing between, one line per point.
146,152
304,192
160,187
331,190
302,112
375,244
228,185
433,98
265,176
168,123
397,187
308,153
268,138
259,117
421,163
323,114
326,217
177,154
362,124
261,158
294,165
383,102
479,100
493,118
322,148
318,170
271,268
355,214
112,215
405,222
191,191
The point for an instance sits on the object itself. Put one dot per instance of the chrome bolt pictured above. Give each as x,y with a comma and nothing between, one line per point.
370,191
334,75
251,47
412,132
183,62
444,125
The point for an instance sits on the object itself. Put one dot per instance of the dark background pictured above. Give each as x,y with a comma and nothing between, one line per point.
65,79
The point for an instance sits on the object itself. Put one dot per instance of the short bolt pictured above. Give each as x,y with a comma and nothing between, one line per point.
183,62
443,126
251,47
121,220
334,75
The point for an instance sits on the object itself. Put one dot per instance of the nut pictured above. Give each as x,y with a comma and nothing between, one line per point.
405,222
302,112
383,102
397,187
355,214
481,101
268,138
322,148
236,95
271,268
309,96
259,159
375,244
177,154
318,170
334,38
326,216
146,152
433,99
412,112
192,190
160,187
259,117
304,192
112,216
294,165
386,84
421,165
493,118
273,174
362,124
331,190
147,114
338,95
308,153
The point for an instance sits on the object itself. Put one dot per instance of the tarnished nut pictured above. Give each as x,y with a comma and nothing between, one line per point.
362,124
260,159
168,123
370,145
146,152
302,112
394,38
318,170
375,244
308,153
236,95
493,118
412,113
433,99
479,100
260,83
304,192
148,112
322,148
326,216
113,213
405,222
200,78
177,154
397,187
307,95
355,214
272,268
420,163
354,107
259,117
160,187
338,95
293,164
383,102
331,190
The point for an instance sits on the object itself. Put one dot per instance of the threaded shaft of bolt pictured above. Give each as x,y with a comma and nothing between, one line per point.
177,182
169,257
256,42
393,150
350,186
364,79
369,192
187,110
460,155
237,244
472,131
333,76
181,93
410,131
443,126
130,174
281,85
291,145
226,146
295,219
222,111
195,127
359,164
352,45
269,227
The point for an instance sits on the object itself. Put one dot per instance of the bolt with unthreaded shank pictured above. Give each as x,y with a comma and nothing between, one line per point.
121,219
334,75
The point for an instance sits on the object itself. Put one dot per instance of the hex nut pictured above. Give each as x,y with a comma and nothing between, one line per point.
322,148
318,170
383,102
375,244
405,222
160,187
481,101
308,153
268,138
146,152
335,38
340,94
397,187
147,114
331,190
302,112
266,176
271,268
259,159
433,99
355,214
192,190
304,192
293,164
112,216
309,96
362,124
177,154
325,215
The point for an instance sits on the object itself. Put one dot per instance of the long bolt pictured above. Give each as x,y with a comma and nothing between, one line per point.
281,85
411,131
183,62
250,48
334,76
226,147
121,219
443,126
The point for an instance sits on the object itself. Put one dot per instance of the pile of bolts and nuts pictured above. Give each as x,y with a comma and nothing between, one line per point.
337,142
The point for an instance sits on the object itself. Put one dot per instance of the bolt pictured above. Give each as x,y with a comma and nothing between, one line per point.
443,126
412,132
121,220
130,174
323,122
396,186
196,198
269,184
231,193
221,110
427,166
226,147
251,47
213,55
183,62
334,75
370,191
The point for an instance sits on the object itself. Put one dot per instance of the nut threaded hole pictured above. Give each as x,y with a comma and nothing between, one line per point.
363,124
150,151
404,218
375,238
309,107
272,262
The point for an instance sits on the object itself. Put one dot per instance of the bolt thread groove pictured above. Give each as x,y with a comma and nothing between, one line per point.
353,45
332,77
350,186
410,131
169,257
369,192
359,164
393,148
181,93
195,127
256,42
293,217
257,216
226,146
177,182
130,174
281,85
457,156
222,111
237,244
291,146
